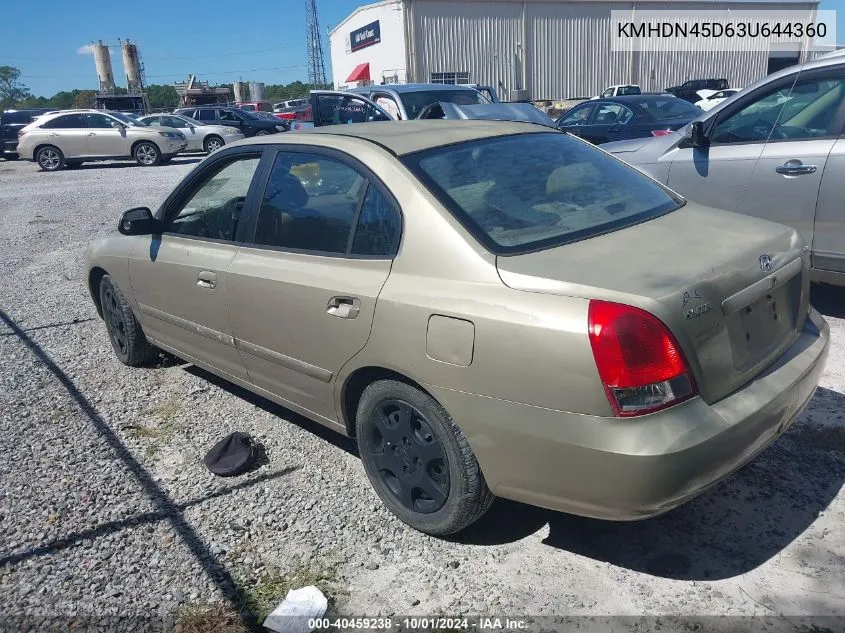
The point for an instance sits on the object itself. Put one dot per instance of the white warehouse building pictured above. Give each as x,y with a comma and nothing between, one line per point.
544,49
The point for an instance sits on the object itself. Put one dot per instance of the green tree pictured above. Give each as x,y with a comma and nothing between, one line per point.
11,90
84,99
162,96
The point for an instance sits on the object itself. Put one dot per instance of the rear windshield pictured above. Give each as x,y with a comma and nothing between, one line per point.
414,102
668,108
530,191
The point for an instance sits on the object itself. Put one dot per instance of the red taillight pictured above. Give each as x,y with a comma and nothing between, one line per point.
640,363
660,132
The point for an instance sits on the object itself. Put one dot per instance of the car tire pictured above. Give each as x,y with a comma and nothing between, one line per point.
147,154
50,158
212,144
127,338
437,487
262,133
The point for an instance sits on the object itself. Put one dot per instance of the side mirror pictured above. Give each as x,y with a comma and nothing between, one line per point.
138,221
697,137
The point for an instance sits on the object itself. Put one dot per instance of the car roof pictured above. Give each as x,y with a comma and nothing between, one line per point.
638,98
400,88
406,137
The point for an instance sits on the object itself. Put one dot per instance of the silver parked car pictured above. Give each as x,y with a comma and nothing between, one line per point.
201,137
773,151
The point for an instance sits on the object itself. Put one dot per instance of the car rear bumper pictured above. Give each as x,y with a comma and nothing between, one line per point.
627,469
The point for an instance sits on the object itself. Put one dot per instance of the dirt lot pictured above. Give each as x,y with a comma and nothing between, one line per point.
106,508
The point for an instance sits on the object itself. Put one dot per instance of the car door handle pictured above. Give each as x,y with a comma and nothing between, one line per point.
92,134
344,307
795,167
207,279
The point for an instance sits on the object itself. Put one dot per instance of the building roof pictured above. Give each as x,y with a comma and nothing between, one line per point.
407,137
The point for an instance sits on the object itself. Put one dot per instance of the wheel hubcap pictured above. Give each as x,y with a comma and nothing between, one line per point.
114,321
213,145
410,459
146,154
49,159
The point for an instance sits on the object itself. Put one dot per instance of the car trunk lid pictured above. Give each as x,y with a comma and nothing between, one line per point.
733,290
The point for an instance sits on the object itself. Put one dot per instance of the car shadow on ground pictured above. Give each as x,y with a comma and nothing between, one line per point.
340,441
131,163
829,300
731,529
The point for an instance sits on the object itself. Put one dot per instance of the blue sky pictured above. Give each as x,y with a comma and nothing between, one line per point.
221,40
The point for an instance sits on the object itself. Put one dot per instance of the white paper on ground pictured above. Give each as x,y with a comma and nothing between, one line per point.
299,606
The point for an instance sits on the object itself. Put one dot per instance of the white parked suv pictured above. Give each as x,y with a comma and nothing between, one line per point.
72,137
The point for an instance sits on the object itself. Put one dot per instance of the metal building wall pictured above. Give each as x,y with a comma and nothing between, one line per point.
466,36
561,49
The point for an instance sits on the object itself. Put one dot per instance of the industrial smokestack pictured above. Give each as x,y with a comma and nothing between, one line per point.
240,90
256,91
132,66
102,60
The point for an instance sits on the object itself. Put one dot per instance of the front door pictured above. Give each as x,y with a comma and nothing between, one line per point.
578,117
784,187
719,174
303,295
330,107
180,278
106,136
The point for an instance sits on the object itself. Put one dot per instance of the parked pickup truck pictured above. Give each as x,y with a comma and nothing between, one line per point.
688,90
620,90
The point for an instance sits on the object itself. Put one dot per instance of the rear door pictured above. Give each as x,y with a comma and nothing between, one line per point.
302,295
338,108
69,133
180,278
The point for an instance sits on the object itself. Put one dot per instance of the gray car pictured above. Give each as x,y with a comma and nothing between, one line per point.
773,150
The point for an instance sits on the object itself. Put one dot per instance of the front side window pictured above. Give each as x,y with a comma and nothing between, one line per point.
214,210
668,108
66,122
101,121
153,120
309,204
579,115
342,109
173,121
607,93
805,112
225,115
560,190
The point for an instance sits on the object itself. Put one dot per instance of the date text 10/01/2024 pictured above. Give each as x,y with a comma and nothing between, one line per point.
419,623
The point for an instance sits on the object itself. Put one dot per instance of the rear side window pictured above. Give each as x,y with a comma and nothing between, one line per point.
66,122
206,114
668,108
377,230
310,204
560,190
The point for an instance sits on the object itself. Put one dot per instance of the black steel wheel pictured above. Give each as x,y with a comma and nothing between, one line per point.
127,339
417,459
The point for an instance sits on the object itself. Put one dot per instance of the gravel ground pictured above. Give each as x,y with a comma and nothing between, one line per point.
106,508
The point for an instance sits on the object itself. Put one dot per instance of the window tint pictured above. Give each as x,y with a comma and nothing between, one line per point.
806,111
342,109
629,90
612,114
225,115
668,108
309,204
559,190
577,116
100,121
173,121
206,114
414,102
18,117
214,209
66,122
377,231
